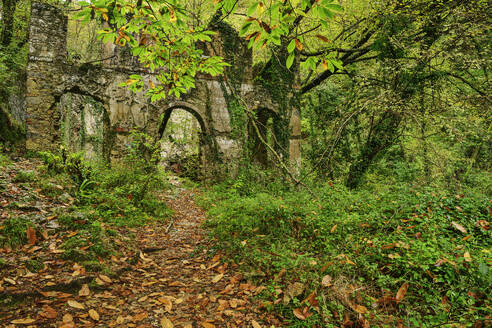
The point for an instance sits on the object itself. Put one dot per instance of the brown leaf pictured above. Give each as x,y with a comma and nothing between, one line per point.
326,281
401,292
140,316
167,303
298,45
104,278
322,38
166,323
10,281
325,66
76,304
94,315
298,313
26,321
84,291
255,324
31,235
359,308
67,318
252,35
48,312
459,227
311,299
207,325
217,278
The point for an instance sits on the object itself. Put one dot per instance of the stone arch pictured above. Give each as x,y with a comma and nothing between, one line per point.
206,141
190,108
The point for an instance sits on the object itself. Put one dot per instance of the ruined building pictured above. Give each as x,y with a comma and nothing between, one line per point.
82,106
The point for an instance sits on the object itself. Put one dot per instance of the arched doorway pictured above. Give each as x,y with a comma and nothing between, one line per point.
266,121
183,143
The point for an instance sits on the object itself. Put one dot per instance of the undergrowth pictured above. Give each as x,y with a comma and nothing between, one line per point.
366,247
98,200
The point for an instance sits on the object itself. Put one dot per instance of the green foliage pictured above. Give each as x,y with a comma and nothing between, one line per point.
90,243
122,194
4,160
13,231
25,176
437,242
166,30
34,265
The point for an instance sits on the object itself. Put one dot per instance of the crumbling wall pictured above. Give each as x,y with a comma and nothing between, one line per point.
83,107
47,54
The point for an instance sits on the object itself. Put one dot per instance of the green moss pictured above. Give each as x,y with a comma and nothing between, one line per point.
13,231
25,176
34,265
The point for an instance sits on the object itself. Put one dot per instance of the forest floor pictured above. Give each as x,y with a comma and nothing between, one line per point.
161,274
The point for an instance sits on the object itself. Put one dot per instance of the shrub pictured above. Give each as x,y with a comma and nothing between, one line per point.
439,243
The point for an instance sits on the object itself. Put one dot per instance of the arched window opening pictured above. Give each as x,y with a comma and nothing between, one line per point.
265,121
182,142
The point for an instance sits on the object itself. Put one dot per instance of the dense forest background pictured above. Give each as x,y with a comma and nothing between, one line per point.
393,192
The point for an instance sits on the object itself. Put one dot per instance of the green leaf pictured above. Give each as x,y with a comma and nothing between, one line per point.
244,29
334,7
276,40
291,46
325,13
290,60
252,9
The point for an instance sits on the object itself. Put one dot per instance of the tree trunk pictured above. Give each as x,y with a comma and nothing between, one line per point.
384,134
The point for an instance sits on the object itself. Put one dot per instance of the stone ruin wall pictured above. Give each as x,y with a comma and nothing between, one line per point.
82,106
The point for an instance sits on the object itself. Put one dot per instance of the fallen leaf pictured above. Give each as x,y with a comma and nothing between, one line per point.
361,309
298,314
401,292
255,324
10,281
217,278
207,325
94,315
31,235
166,323
48,312
459,227
326,281
105,278
140,316
84,291
167,303
333,228
76,304
23,321
467,257
67,318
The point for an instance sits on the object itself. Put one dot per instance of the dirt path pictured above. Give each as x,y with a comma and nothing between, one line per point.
164,276
195,291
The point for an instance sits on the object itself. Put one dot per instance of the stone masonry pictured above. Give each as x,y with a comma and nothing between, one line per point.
82,106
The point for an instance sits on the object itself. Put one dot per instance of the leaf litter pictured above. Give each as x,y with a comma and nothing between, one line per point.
177,286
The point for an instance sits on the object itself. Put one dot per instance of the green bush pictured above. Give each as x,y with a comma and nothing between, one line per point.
436,242
25,176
